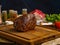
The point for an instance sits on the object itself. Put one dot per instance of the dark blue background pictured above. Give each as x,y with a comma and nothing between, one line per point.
47,6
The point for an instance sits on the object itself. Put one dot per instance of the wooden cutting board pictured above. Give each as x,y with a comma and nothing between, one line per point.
32,36
52,27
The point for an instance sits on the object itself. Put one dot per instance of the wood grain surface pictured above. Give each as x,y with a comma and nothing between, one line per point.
39,33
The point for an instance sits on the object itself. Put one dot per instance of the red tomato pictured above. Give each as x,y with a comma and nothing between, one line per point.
57,24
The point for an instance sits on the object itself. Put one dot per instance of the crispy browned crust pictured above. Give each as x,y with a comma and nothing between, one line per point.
21,23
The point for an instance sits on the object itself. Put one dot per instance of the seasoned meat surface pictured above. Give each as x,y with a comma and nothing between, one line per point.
24,23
